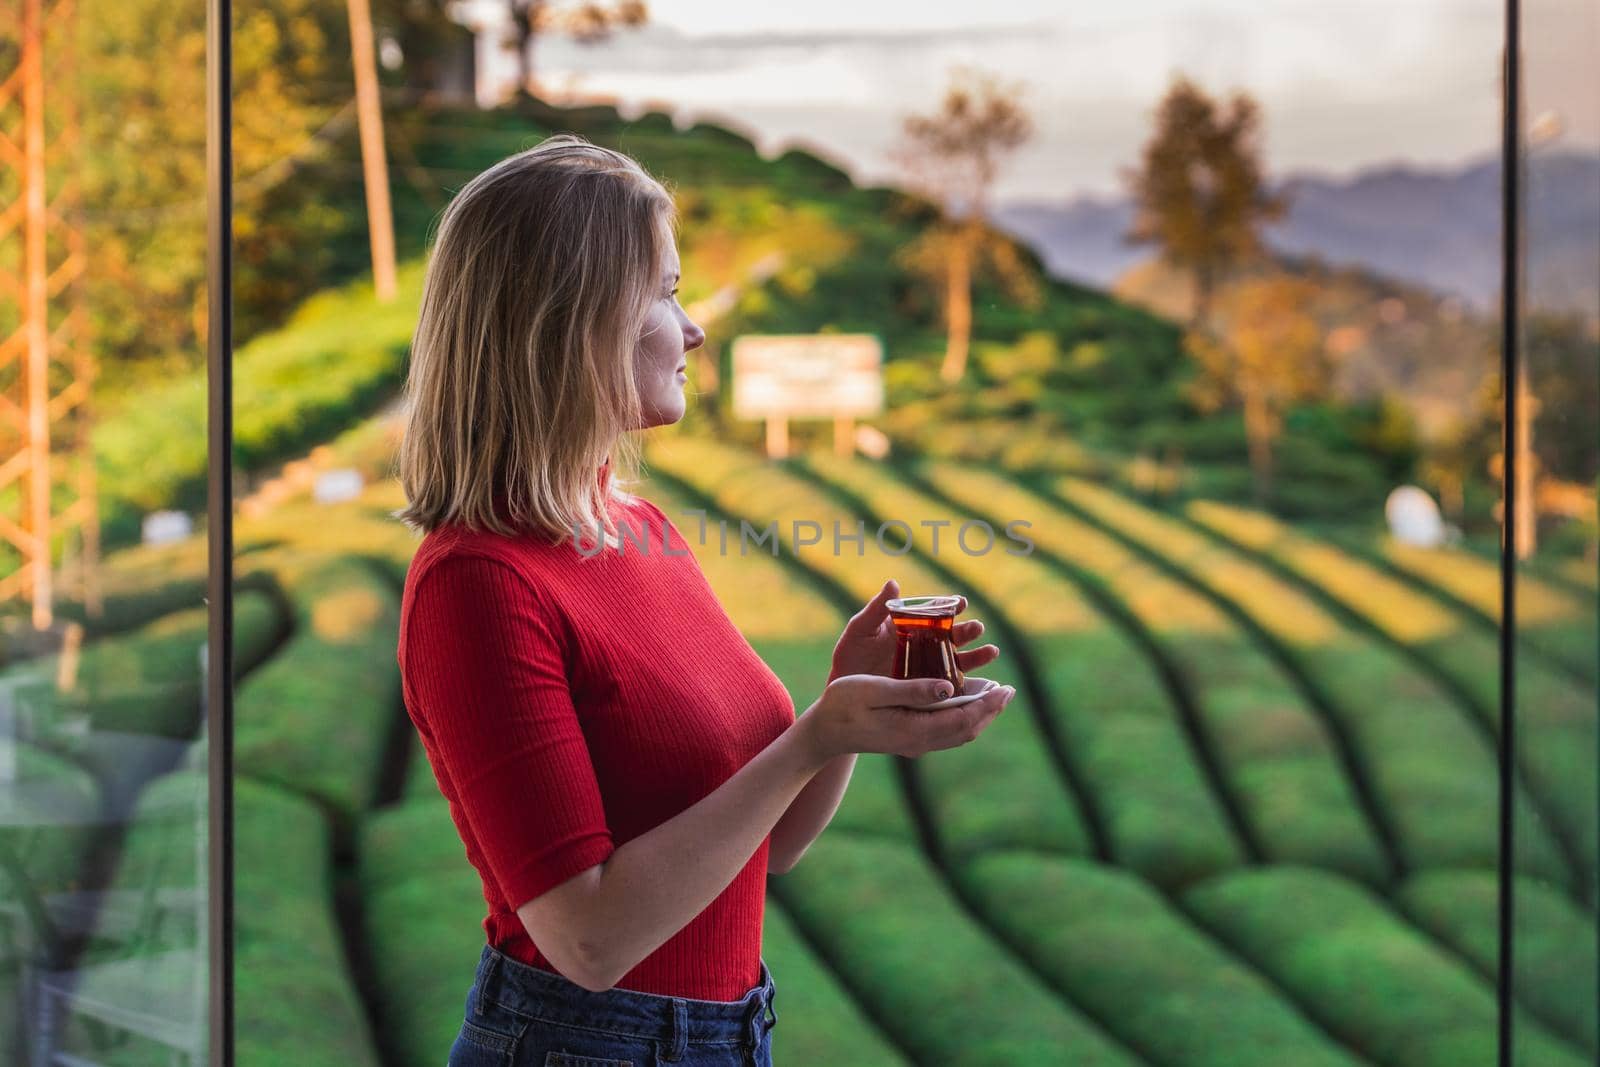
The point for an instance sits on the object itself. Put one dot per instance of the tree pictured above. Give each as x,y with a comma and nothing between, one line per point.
1199,192
587,22
1269,357
954,156
1562,359
142,65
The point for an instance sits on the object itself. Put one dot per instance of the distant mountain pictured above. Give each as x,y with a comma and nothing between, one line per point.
1438,228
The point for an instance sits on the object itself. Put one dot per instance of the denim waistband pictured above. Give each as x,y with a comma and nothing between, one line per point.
672,1021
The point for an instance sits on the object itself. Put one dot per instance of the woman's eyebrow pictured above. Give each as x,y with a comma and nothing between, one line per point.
671,277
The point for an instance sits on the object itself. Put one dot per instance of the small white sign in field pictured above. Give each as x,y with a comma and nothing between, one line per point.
778,377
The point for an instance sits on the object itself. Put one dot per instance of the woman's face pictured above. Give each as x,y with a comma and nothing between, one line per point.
660,359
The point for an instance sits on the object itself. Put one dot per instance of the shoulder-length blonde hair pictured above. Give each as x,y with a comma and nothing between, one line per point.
521,381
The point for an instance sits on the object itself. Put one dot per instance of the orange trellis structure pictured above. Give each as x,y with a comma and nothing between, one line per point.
47,475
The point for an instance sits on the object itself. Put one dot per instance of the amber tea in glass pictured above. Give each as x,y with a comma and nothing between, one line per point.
924,647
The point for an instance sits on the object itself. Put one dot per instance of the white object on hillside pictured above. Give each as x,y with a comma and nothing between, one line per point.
336,485
872,441
164,527
1414,517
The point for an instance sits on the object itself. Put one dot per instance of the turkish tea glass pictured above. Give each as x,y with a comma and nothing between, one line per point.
924,647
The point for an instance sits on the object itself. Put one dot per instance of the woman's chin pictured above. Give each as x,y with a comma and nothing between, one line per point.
664,415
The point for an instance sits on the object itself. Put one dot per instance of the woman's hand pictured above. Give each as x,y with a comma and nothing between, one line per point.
867,644
870,713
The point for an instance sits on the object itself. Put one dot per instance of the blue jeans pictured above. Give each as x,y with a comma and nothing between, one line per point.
522,1016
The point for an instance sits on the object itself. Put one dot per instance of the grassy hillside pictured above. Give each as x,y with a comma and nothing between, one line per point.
1071,380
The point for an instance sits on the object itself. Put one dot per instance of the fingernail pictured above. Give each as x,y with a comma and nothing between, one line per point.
942,691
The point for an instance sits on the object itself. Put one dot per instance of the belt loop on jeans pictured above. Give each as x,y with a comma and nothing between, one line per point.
755,1022
491,971
679,1040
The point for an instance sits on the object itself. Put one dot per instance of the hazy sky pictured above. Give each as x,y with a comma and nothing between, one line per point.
1344,85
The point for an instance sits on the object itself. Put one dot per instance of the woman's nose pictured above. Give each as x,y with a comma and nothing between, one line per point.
693,336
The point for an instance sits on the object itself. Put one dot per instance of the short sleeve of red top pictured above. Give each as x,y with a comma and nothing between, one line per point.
568,703
506,727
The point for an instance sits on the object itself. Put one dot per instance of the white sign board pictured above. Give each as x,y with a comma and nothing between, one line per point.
336,485
165,527
807,375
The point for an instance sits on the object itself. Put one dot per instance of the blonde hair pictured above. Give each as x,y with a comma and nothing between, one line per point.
521,384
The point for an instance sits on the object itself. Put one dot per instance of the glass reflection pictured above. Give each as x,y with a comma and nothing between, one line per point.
1557,437
103,628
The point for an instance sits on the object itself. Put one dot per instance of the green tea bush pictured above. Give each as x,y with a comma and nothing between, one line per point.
1376,984
1272,752
315,719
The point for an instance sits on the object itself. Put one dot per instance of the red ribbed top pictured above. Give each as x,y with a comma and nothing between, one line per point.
568,704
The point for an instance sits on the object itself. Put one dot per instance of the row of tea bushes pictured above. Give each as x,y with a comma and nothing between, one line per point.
1129,957
35,864
1431,770
1105,702
1556,712
148,681
66,799
818,1021
317,717
422,909
989,800
1556,621
139,603
295,1000
930,977
1272,753
1378,985
1557,984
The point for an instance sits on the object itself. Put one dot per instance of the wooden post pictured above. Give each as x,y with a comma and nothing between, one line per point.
844,435
777,436
374,164
1526,517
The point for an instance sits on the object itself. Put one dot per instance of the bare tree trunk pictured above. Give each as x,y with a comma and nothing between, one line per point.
1258,431
374,161
1452,497
958,307
1200,314
524,15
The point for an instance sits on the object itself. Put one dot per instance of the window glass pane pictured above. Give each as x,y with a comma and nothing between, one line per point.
1557,436
103,747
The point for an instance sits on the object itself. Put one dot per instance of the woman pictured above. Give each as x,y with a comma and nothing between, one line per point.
623,769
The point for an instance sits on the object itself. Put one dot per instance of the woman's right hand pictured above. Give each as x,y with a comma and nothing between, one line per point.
871,713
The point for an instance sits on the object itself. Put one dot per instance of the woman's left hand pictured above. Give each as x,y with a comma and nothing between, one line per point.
868,642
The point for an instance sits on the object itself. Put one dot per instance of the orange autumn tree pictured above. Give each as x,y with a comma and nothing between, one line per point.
1199,193
953,156
1265,355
